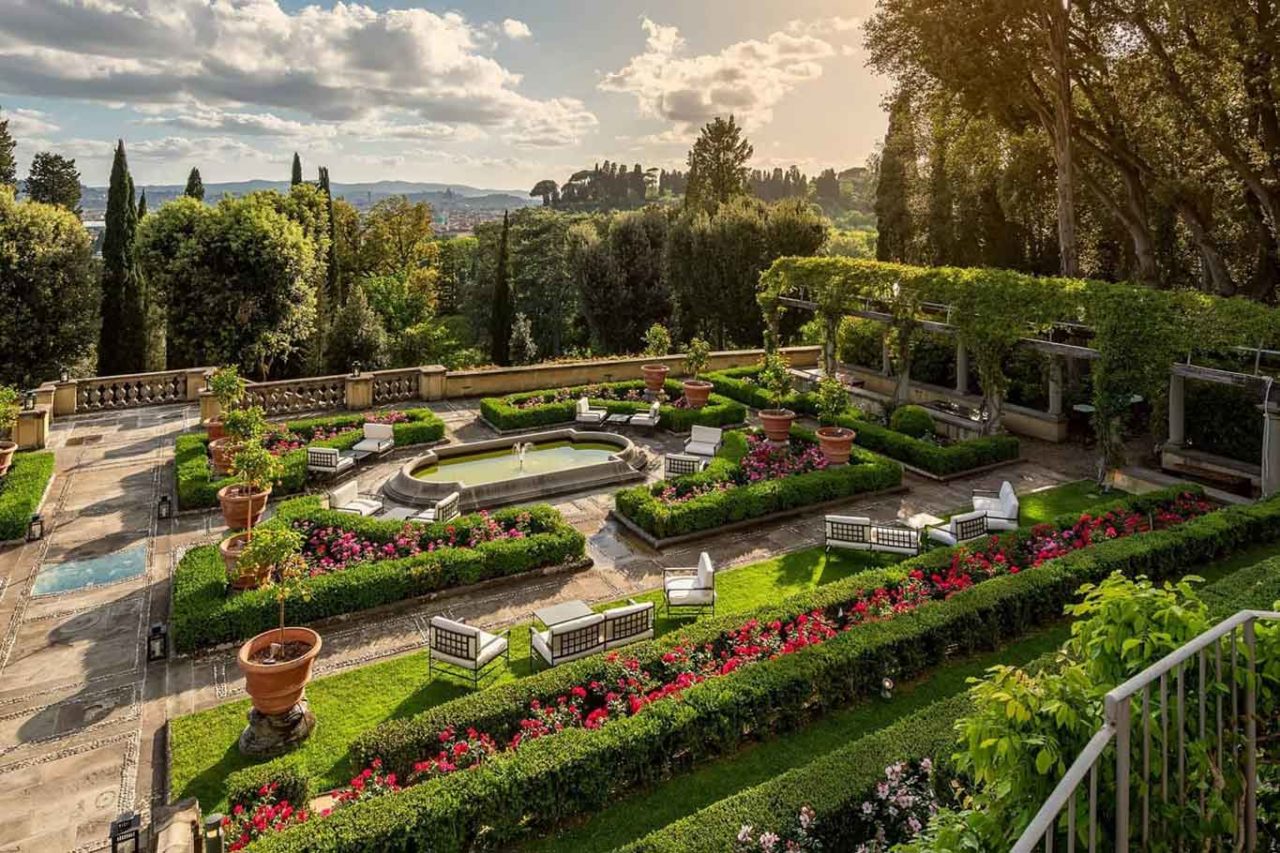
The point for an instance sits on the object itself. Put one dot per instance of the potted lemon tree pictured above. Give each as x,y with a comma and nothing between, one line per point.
833,401
775,376
9,407
697,358
228,389
657,343
240,427
243,501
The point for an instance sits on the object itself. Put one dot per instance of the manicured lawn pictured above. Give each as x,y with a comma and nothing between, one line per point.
1048,504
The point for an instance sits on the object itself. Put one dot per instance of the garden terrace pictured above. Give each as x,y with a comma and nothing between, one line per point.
553,407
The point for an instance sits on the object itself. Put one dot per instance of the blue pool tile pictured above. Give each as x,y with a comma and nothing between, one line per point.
82,574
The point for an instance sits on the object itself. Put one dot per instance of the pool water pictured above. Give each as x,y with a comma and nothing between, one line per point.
96,571
479,469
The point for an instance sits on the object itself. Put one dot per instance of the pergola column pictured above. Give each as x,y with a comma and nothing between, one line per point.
962,369
1270,449
886,357
1055,386
1177,410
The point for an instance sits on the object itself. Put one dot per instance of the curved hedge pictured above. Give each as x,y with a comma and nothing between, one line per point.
579,771
204,615
197,486
503,415
21,490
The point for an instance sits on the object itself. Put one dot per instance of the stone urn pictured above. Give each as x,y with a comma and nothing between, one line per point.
281,716
655,377
242,507
7,449
777,424
696,392
836,443
230,549
213,428
223,451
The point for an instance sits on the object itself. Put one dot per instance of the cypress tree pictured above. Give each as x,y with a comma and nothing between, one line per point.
8,163
195,186
500,323
297,170
142,205
893,192
122,345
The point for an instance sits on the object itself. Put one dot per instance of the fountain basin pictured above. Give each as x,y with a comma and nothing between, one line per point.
489,473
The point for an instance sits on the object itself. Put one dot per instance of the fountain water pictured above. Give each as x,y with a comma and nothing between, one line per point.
519,449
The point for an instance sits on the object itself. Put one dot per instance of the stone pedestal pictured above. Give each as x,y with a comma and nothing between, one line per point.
210,408
195,382
277,733
431,382
1177,406
64,398
359,392
31,432
962,369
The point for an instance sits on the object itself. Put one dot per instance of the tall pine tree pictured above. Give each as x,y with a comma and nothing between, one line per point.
195,186
297,170
897,175
327,296
8,163
500,322
718,165
142,205
122,345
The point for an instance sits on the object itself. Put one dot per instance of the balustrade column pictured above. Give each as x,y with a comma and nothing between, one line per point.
1177,408
359,392
886,357
962,369
431,382
1055,386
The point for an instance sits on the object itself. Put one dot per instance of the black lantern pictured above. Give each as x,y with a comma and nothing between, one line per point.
126,833
886,688
355,370
213,836
64,376
164,509
158,642
35,528
29,400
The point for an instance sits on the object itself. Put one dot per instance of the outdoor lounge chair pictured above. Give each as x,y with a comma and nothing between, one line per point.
692,588
347,498
961,528
648,418
630,623
457,646
378,438
329,462
679,464
445,509
567,641
862,534
1001,507
704,441
587,415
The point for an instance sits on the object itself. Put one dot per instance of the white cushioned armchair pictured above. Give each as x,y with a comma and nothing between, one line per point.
378,438
961,528
1001,506
691,588
704,441
455,645
585,414
565,641
347,498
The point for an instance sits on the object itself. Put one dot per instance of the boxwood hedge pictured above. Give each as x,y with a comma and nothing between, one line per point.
197,486
579,771
204,615
21,491
503,414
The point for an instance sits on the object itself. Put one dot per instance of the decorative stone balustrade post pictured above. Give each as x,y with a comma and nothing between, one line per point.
195,382
31,432
1177,407
359,392
431,382
64,398
210,408
45,394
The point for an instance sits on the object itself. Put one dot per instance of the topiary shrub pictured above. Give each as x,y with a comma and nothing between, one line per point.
913,421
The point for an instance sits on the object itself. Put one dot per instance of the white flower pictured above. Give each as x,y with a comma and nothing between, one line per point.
744,834
914,824
882,790
926,765
768,841
867,808
806,817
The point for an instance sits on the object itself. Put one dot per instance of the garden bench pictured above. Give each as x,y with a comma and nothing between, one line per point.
679,464
859,533
587,415
691,588
378,438
961,528
630,623
347,498
1000,506
704,441
565,641
445,509
329,461
456,645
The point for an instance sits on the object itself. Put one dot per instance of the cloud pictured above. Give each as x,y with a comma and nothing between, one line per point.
241,63
514,29
746,79
27,122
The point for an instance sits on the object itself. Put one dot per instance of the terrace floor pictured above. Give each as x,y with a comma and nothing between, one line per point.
82,712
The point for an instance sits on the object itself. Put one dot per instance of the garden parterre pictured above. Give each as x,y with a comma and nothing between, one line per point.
558,406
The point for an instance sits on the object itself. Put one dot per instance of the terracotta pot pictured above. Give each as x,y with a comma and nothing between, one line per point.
223,451
241,508
696,391
655,376
277,687
230,549
777,423
7,449
836,444
213,429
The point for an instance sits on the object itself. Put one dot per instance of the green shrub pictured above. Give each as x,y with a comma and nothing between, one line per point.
295,786
1223,419
203,615
504,414
743,384
913,421
197,487
21,491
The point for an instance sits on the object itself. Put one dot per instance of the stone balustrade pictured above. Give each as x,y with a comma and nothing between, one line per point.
129,391
294,396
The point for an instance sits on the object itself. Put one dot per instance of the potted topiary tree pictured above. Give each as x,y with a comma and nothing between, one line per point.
657,343
228,389
775,376
836,441
243,502
239,427
9,407
255,560
697,358
277,663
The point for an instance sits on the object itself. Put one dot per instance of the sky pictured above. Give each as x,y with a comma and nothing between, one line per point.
488,93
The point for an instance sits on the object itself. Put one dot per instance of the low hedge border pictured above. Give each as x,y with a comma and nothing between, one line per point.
197,487
579,771
500,414
203,615
22,491
930,459
835,784
639,506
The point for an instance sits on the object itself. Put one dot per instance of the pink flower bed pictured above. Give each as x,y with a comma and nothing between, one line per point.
264,815
766,461
591,392
280,440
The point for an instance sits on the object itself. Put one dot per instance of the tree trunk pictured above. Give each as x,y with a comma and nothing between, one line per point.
1215,266
1058,42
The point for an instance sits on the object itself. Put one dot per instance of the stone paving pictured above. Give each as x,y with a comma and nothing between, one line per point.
82,712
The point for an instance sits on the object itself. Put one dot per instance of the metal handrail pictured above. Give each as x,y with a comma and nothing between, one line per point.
1118,705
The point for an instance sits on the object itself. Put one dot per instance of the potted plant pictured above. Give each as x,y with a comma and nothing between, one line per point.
657,343
227,388
775,376
697,359
9,407
239,427
836,441
250,562
244,501
277,666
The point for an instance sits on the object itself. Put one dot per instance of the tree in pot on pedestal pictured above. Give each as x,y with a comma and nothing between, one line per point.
228,389
657,343
697,358
239,427
9,407
833,401
244,501
775,376
277,663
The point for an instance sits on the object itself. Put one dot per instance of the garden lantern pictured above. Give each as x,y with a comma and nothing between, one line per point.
165,508
64,376
886,688
29,400
158,642
126,833
355,370
213,836
35,528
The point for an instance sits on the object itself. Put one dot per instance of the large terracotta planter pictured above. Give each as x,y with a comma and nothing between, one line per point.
213,429
836,444
277,687
7,449
696,392
242,509
655,376
223,451
230,549
777,424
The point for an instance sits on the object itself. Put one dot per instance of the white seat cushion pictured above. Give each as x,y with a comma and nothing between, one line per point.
687,591
343,494
943,535
361,506
373,445
706,570
696,448
995,522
